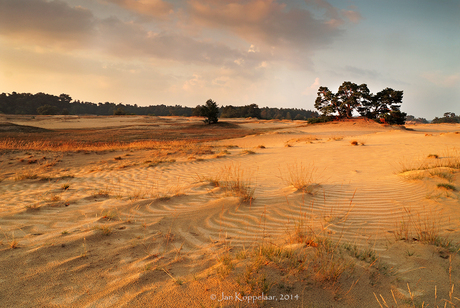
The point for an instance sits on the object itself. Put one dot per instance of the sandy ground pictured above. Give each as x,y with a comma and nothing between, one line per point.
119,229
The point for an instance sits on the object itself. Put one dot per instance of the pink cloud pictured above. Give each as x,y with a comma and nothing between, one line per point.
153,8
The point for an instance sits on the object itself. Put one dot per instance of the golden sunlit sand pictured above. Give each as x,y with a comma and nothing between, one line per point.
167,212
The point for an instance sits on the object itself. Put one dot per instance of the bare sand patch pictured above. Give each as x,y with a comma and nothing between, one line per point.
168,224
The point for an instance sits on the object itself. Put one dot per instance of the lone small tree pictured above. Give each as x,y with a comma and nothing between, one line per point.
210,111
119,111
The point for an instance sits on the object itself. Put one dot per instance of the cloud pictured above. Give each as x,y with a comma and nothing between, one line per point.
55,24
352,16
152,8
361,73
126,39
331,13
273,32
313,88
265,22
253,48
193,83
443,80
334,16
42,21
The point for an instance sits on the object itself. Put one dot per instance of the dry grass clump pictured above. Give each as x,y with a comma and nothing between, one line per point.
105,193
356,142
308,139
255,269
54,198
411,302
425,228
106,230
300,176
222,154
109,215
25,175
443,174
137,194
159,161
14,244
308,258
234,180
33,206
451,159
446,186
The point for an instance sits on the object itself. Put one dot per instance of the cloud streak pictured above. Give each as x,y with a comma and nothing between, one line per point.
44,22
152,8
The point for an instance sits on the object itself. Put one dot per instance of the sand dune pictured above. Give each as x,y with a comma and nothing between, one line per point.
125,231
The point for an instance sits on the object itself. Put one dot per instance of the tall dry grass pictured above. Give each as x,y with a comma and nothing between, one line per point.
77,146
308,256
424,226
237,181
450,159
300,176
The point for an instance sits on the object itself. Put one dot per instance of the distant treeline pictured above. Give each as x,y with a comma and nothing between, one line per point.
253,111
41,103
449,117
411,118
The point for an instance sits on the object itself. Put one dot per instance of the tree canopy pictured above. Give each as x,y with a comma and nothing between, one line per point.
210,111
352,97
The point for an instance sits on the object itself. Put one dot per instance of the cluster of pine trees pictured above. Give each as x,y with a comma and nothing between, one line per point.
351,97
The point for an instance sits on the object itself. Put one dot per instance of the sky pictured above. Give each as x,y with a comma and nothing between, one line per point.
237,52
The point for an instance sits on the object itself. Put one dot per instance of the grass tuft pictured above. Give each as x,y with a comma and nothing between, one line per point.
234,180
451,159
300,177
423,228
14,244
446,186
109,215
25,175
